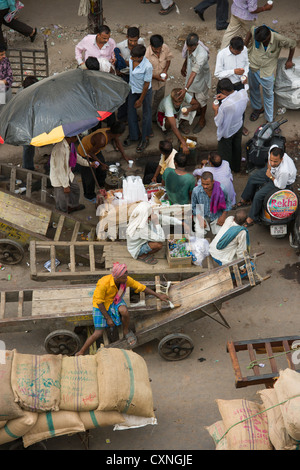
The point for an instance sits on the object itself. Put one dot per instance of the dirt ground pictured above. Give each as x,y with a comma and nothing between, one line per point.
185,391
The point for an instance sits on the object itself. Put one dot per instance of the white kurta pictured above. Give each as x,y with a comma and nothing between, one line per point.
234,249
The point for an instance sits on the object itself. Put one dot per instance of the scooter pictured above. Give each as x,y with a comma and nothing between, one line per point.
280,206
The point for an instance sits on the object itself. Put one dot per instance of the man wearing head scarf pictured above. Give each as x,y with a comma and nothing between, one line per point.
109,307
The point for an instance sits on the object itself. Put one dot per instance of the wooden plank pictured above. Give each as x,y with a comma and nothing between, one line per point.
237,275
28,184
271,359
288,355
52,302
72,258
157,289
59,227
253,358
76,229
235,362
20,304
32,254
2,304
92,258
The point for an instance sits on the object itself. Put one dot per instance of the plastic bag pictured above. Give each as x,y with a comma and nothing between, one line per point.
200,250
287,84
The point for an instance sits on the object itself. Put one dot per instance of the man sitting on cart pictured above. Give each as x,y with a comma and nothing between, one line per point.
109,307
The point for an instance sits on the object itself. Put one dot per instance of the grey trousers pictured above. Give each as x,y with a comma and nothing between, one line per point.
64,200
257,187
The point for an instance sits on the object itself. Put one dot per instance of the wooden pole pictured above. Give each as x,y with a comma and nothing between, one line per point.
95,16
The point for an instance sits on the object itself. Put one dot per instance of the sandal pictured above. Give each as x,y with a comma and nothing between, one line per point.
142,145
256,113
32,37
241,204
166,11
131,339
148,260
248,224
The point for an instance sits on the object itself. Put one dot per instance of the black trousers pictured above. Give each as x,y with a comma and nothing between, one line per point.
221,13
88,181
257,187
16,25
230,149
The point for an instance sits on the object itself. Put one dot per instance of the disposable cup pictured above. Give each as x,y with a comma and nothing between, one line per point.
243,78
270,2
216,102
130,163
184,110
163,75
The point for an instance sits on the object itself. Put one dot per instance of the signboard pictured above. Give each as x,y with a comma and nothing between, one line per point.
282,204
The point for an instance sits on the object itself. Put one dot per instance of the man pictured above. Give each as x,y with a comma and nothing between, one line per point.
221,12
243,14
92,145
196,71
109,307
178,182
153,172
6,77
229,117
140,95
279,173
99,45
210,204
28,150
232,240
159,55
171,114
233,63
125,47
66,190
221,172
263,56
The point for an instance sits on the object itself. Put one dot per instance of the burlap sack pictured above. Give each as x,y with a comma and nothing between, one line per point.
123,382
217,432
100,419
16,428
35,381
252,431
53,424
278,434
2,424
8,408
79,386
287,387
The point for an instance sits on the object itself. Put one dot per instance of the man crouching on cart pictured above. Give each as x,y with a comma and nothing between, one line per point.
109,307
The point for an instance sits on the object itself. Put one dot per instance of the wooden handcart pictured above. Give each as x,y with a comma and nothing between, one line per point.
63,309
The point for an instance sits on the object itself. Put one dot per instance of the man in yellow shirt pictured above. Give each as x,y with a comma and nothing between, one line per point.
110,309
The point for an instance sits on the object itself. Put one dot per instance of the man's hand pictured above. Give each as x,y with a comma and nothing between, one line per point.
67,189
267,7
239,71
138,103
183,70
109,322
221,219
185,148
289,64
163,297
268,173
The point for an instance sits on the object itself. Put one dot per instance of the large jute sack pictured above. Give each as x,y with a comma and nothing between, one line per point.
123,382
278,434
287,388
53,424
16,428
35,381
100,419
79,385
217,432
8,408
246,424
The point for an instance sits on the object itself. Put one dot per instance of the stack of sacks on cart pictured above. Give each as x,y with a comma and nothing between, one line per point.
273,424
46,396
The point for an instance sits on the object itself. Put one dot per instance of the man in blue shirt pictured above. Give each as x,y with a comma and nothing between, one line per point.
210,205
140,73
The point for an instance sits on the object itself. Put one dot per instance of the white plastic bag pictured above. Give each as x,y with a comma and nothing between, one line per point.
200,249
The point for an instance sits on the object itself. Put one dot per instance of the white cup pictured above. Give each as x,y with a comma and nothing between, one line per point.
270,2
130,163
163,75
184,110
243,78
216,102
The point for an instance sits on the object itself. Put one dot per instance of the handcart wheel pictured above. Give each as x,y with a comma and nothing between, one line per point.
11,252
175,347
62,342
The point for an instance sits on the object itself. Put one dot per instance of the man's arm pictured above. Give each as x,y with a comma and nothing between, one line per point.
172,122
107,317
79,49
139,102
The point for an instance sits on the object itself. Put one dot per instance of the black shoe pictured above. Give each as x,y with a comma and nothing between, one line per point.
220,28
200,14
32,38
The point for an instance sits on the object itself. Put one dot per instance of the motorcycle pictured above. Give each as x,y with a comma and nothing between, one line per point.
279,207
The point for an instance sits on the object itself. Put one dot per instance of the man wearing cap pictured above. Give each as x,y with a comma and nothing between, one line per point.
109,307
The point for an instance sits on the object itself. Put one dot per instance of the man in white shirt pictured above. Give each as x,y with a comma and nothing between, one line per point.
229,122
232,239
280,172
66,190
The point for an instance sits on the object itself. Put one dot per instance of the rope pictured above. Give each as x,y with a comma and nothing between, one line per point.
260,412
256,362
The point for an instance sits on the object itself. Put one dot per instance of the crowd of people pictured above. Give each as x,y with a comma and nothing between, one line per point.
245,65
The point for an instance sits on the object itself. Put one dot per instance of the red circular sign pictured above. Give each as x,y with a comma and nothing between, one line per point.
282,204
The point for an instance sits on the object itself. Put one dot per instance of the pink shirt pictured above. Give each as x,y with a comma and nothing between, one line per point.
88,47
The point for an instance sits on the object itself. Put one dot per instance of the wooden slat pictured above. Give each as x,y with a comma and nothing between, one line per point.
288,355
2,304
20,304
72,258
271,359
75,231
237,275
92,258
59,227
52,257
253,358
32,254
28,184
12,183
157,289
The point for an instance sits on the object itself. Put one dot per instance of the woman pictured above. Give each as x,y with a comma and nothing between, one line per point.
7,6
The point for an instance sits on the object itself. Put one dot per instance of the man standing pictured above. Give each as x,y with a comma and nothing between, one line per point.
243,14
229,122
232,240
198,78
99,45
210,204
221,12
159,55
263,56
66,190
279,172
140,95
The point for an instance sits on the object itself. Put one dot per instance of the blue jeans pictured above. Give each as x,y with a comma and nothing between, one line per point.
267,84
133,125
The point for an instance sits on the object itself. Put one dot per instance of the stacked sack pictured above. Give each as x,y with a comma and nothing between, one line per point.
274,424
46,396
